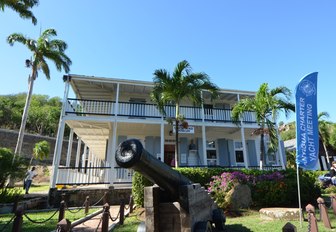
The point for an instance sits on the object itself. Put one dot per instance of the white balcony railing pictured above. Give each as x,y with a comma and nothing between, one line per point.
143,110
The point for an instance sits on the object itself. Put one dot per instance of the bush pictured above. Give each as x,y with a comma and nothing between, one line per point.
9,195
139,182
15,169
269,189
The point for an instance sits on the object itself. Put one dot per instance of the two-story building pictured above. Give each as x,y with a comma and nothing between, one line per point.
107,111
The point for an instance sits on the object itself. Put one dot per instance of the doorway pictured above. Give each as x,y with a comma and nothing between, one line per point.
169,153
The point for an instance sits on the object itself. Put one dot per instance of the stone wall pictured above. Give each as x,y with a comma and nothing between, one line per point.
8,139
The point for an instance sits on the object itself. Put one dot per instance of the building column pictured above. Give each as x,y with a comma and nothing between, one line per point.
204,140
79,145
280,148
68,159
246,160
84,158
60,134
162,141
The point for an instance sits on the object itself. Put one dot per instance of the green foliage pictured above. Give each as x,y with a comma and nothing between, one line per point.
9,195
41,150
15,169
138,184
43,117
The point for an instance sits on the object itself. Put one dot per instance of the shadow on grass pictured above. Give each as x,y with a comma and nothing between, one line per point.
237,228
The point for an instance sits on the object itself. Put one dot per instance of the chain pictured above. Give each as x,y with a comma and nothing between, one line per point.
309,221
40,222
114,219
101,218
3,228
98,201
74,211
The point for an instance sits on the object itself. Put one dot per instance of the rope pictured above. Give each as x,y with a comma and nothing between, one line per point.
101,218
74,211
40,222
3,228
127,207
98,201
115,217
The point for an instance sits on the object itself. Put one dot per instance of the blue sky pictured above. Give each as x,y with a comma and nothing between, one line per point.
239,44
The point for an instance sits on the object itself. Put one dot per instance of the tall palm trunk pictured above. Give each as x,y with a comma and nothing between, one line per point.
262,149
25,113
325,150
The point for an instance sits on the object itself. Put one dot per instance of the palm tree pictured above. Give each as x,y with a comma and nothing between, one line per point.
266,105
41,151
324,133
178,86
43,48
22,7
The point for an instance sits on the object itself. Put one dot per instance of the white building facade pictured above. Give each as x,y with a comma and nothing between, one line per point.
106,111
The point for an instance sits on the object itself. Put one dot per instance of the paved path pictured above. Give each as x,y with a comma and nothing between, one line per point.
92,224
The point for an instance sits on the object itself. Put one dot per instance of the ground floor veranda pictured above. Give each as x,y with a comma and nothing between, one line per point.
203,145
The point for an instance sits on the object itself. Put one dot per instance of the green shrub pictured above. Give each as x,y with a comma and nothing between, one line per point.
138,184
15,169
9,195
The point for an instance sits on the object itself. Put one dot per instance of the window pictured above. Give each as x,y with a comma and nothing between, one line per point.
239,153
211,153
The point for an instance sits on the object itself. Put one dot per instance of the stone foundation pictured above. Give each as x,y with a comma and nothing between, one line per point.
288,214
76,197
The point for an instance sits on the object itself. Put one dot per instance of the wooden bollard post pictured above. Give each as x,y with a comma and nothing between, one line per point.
63,197
324,212
61,211
131,204
312,223
106,217
122,212
17,224
333,203
15,205
63,226
87,204
289,227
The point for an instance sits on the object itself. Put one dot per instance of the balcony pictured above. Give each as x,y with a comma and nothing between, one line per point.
81,107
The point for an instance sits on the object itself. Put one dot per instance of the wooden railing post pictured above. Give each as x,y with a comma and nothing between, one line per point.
324,212
122,212
87,204
312,223
131,204
63,226
17,224
106,217
289,227
61,211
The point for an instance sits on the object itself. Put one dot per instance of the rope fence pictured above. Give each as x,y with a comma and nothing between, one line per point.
64,224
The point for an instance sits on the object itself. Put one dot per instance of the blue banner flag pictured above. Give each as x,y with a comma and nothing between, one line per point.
307,135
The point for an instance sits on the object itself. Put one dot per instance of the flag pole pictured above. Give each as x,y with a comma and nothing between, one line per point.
299,194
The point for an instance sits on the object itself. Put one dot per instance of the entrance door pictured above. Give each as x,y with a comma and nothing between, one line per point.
169,153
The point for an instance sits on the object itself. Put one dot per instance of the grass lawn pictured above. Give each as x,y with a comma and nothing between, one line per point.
248,221
48,226
41,187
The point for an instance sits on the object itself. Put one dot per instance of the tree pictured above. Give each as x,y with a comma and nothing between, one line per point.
7,164
174,88
43,48
41,151
324,133
266,104
23,7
